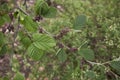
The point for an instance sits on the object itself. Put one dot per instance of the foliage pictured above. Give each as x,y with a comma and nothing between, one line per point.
60,39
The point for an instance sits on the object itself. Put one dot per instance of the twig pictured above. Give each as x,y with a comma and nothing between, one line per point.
25,4
22,11
47,32
82,44
14,37
17,28
93,63
116,75
28,34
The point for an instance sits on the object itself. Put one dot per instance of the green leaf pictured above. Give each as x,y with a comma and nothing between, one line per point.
21,35
79,22
3,50
21,15
43,42
1,39
26,41
51,13
5,78
34,52
4,8
116,65
44,8
19,76
62,56
88,54
15,65
41,7
3,19
90,74
38,6
29,24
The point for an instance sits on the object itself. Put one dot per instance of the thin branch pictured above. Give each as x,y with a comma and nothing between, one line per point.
48,33
82,44
14,38
116,75
25,4
22,11
93,63
15,35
